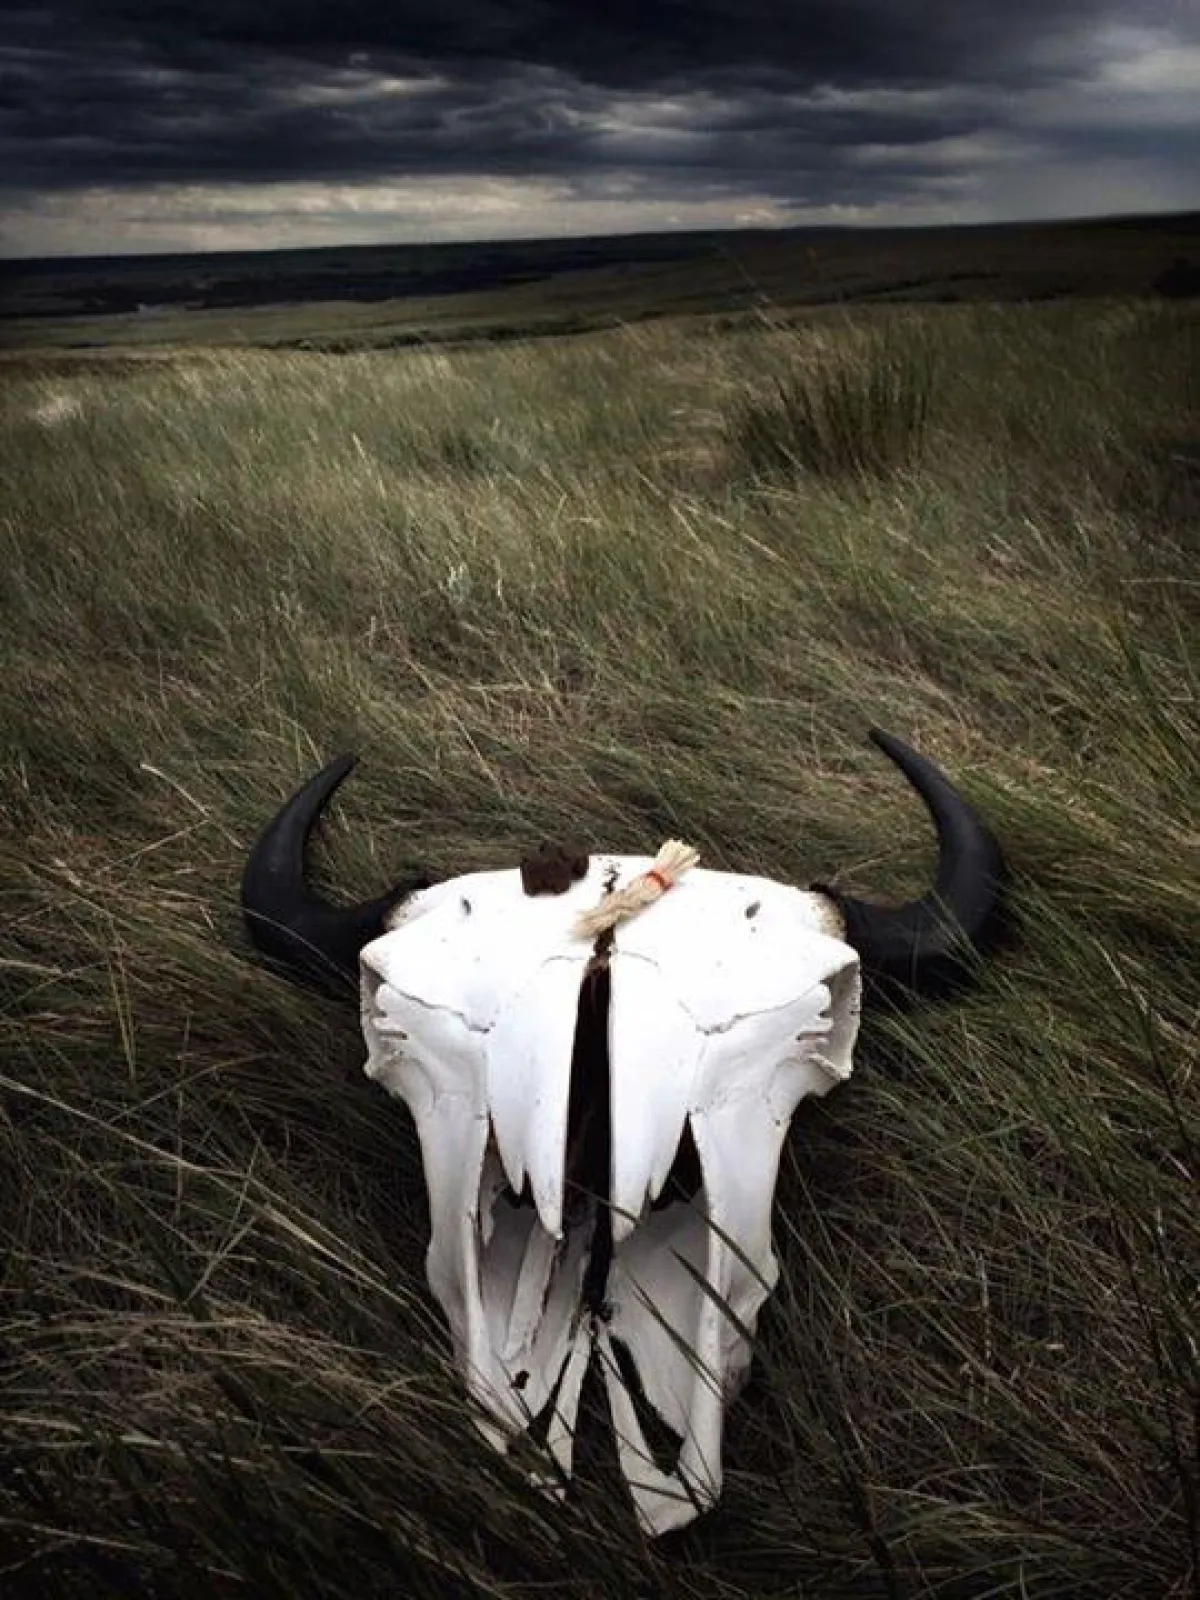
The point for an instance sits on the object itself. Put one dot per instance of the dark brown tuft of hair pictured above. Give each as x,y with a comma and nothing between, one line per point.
553,868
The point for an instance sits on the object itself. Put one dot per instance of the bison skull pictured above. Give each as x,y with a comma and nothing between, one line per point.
601,1119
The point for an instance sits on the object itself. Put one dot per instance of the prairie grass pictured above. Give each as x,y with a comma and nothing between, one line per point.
568,587
859,405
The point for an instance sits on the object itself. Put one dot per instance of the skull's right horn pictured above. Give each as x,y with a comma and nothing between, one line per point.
929,944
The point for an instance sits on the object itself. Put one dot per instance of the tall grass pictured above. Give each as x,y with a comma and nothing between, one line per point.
549,589
856,404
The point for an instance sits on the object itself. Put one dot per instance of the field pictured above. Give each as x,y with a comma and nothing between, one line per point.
380,297
656,580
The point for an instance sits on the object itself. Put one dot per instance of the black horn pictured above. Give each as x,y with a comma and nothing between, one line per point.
289,923
930,944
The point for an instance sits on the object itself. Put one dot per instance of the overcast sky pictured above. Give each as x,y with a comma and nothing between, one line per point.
131,125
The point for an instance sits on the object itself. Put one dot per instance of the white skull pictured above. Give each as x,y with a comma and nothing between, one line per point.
705,1020
731,999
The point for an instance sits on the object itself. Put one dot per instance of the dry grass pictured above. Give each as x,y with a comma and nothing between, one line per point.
550,588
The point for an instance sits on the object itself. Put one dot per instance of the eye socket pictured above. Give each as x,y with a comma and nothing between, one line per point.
374,1007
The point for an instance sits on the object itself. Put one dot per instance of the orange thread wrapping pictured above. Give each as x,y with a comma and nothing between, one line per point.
669,865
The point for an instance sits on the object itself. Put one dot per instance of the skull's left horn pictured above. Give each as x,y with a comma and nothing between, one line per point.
310,938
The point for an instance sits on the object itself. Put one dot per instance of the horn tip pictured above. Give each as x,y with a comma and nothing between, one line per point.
341,766
892,746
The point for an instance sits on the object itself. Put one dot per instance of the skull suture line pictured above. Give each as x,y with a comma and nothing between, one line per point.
601,1119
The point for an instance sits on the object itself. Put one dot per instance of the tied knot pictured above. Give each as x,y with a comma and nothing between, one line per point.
669,865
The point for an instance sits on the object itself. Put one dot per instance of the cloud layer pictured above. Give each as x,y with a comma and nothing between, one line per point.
129,126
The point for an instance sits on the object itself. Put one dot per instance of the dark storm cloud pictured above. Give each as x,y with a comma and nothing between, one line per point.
133,93
788,99
617,43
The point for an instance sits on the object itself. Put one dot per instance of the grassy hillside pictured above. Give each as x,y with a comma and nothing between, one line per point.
388,297
635,584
